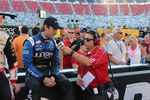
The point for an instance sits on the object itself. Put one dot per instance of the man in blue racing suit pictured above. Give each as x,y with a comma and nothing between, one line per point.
42,61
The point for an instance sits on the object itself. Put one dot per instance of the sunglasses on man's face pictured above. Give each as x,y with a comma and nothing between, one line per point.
88,40
77,35
71,32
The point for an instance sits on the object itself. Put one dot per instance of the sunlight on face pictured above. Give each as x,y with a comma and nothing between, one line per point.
89,42
132,42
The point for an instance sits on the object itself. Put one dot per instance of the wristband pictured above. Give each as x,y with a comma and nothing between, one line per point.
71,53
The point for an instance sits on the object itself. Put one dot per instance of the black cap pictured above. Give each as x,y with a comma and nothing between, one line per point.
51,21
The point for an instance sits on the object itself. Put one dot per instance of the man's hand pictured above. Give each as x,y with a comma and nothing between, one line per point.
17,88
122,63
79,81
49,82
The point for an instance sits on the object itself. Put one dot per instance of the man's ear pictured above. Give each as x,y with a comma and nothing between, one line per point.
45,26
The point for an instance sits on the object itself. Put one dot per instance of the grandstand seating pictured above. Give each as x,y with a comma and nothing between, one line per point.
64,8
124,9
48,7
18,6
120,1
4,5
65,11
147,9
130,1
113,8
81,9
137,9
33,6
141,1
99,9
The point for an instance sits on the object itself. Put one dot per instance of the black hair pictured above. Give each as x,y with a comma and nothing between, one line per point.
24,30
16,31
51,22
126,34
93,33
35,30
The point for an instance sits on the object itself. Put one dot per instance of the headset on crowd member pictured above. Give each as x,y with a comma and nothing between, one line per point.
96,37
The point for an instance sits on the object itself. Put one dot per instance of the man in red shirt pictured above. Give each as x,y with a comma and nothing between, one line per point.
79,47
66,58
96,63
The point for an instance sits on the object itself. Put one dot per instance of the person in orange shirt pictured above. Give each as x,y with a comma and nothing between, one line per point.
18,45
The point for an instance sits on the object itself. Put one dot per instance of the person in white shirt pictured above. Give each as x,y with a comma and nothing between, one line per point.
116,49
136,51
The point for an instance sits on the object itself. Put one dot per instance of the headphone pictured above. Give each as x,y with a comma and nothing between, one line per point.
96,37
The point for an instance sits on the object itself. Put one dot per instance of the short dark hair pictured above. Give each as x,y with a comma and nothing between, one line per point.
16,31
35,30
53,22
24,29
93,33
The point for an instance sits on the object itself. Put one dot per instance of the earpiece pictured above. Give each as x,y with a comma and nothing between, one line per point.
96,37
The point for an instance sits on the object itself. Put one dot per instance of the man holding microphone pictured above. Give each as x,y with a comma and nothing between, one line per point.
94,64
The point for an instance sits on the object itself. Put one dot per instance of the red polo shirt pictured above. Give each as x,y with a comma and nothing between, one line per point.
67,59
74,61
99,67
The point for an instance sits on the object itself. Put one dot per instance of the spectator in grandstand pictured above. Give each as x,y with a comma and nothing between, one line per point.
35,30
42,63
80,48
7,86
72,35
66,59
136,51
83,32
145,31
95,63
18,45
77,36
146,43
116,48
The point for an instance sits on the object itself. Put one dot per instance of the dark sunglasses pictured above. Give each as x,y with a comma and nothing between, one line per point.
77,35
71,32
88,40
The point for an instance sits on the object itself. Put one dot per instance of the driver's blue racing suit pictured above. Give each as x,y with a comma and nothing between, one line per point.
41,59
